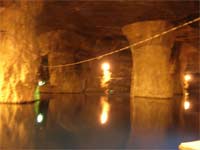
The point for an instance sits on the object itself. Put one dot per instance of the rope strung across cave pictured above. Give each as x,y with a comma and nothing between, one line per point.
127,47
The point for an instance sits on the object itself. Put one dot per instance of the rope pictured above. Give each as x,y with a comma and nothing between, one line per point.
127,47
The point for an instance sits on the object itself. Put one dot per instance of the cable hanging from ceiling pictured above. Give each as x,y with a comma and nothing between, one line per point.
125,48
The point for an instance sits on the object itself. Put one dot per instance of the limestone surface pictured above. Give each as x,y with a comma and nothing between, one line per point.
151,75
19,53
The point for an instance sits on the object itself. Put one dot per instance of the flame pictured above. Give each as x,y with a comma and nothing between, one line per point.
105,66
106,74
187,77
105,110
186,105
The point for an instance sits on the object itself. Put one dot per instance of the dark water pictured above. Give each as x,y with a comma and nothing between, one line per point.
67,121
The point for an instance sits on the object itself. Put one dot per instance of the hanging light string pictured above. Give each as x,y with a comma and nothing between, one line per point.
125,48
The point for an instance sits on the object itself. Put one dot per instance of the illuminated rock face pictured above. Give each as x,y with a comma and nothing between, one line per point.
151,75
18,52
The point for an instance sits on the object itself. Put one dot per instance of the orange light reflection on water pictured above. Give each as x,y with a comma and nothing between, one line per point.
186,102
105,108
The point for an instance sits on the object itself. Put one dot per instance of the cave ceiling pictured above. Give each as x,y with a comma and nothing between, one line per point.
108,17
101,19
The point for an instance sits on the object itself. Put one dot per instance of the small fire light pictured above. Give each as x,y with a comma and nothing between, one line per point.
187,77
105,66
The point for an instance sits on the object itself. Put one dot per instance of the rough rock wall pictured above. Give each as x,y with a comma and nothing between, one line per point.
18,51
61,50
66,46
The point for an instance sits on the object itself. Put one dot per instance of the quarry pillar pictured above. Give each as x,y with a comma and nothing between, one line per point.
151,73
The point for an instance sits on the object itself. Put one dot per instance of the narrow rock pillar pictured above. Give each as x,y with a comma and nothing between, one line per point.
151,75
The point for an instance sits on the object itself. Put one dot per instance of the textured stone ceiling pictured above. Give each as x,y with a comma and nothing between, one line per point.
101,21
107,17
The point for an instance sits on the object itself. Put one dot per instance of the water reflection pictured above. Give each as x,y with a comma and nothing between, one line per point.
151,121
105,108
16,126
41,109
161,123
74,121
186,102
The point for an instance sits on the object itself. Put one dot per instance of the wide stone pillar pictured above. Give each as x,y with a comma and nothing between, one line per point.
151,75
19,54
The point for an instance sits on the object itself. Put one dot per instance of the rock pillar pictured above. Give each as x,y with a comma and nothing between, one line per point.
151,75
19,53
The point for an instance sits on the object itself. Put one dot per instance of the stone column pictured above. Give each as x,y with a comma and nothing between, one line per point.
151,75
19,54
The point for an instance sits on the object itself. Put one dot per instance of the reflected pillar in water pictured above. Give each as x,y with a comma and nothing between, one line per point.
16,126
151,68
151,120
19,52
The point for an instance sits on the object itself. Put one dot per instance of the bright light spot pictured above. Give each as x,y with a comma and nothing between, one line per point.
106,77
186,93
190,145
186,105
106,74
187,77
40,118
104,117
105,66
105,110
41,83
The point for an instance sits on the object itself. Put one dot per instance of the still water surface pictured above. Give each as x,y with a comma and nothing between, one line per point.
79,121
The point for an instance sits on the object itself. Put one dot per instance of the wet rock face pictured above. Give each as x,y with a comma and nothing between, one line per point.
18,52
